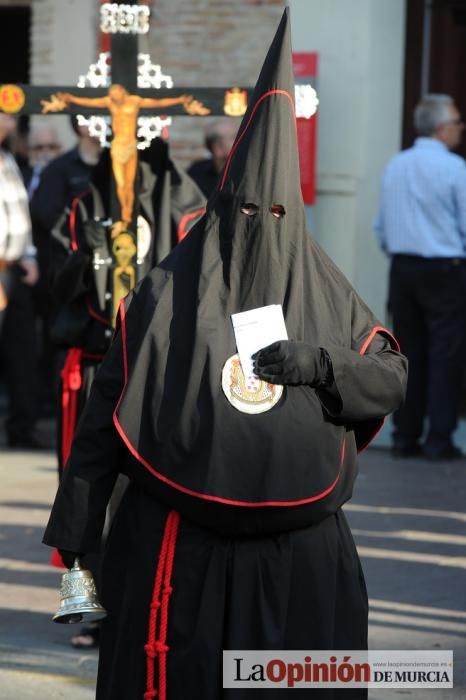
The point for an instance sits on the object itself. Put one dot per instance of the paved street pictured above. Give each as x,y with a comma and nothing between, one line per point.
35,659
409,521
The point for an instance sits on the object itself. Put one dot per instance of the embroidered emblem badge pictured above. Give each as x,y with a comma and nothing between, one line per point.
248,394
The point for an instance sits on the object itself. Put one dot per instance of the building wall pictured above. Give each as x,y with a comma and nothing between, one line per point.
361,53
200,42
63,44
210,42
223,42
15,3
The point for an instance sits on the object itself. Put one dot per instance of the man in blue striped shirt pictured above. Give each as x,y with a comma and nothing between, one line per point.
421,224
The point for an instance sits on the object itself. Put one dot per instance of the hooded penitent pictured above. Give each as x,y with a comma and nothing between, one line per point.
177,594
168,201
294,463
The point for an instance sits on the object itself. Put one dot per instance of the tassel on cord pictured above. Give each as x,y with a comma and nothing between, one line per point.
160,600
71,375
71,384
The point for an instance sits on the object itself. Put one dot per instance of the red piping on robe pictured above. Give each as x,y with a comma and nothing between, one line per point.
73,213
362,351
184,221
261,98
207,497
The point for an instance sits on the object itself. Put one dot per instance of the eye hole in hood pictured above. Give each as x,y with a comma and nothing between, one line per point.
277,210
249,209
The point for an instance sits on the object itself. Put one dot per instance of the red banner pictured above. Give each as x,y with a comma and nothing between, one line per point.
305,70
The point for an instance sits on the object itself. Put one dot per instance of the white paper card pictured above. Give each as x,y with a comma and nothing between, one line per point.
255,329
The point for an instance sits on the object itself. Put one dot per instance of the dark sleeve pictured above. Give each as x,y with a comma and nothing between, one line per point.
186,197
50,198
70,271
71,279
367,383
78,513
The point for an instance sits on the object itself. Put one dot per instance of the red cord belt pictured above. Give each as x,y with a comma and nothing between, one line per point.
156,644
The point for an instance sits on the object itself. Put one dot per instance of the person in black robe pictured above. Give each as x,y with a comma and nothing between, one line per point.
231,533
169,202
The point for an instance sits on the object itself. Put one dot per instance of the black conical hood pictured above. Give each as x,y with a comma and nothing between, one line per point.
178,334
263,164
261,176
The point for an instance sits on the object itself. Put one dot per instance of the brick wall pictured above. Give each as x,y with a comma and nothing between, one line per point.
15,3
42,53
197,42
63,44
209,42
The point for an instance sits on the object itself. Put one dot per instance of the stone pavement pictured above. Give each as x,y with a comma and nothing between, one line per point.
35,658
408,518
409,521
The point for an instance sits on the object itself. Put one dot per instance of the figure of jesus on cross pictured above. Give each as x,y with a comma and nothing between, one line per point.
124,109
125,101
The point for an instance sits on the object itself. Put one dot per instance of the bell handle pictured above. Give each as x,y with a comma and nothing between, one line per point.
76,565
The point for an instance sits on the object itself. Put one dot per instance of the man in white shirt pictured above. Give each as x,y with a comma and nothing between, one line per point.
421,224
18,273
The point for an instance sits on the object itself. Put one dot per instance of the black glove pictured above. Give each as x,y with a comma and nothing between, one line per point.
68,557
293,362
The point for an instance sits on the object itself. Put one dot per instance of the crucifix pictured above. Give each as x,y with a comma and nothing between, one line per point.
124,108
124,101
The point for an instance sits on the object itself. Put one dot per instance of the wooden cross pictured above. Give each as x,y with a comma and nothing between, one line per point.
124,101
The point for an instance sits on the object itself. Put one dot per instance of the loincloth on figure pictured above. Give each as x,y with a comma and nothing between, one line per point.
123,152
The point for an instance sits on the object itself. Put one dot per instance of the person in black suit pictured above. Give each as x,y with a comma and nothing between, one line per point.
219,138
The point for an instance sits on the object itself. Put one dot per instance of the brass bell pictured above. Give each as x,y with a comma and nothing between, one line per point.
78,597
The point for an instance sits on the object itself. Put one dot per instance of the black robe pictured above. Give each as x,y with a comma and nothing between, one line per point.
167,199
231,534
299,589
170,203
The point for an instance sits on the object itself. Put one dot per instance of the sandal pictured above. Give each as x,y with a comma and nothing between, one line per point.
88,638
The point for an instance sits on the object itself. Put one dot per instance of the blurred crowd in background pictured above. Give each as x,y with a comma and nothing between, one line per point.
38,182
